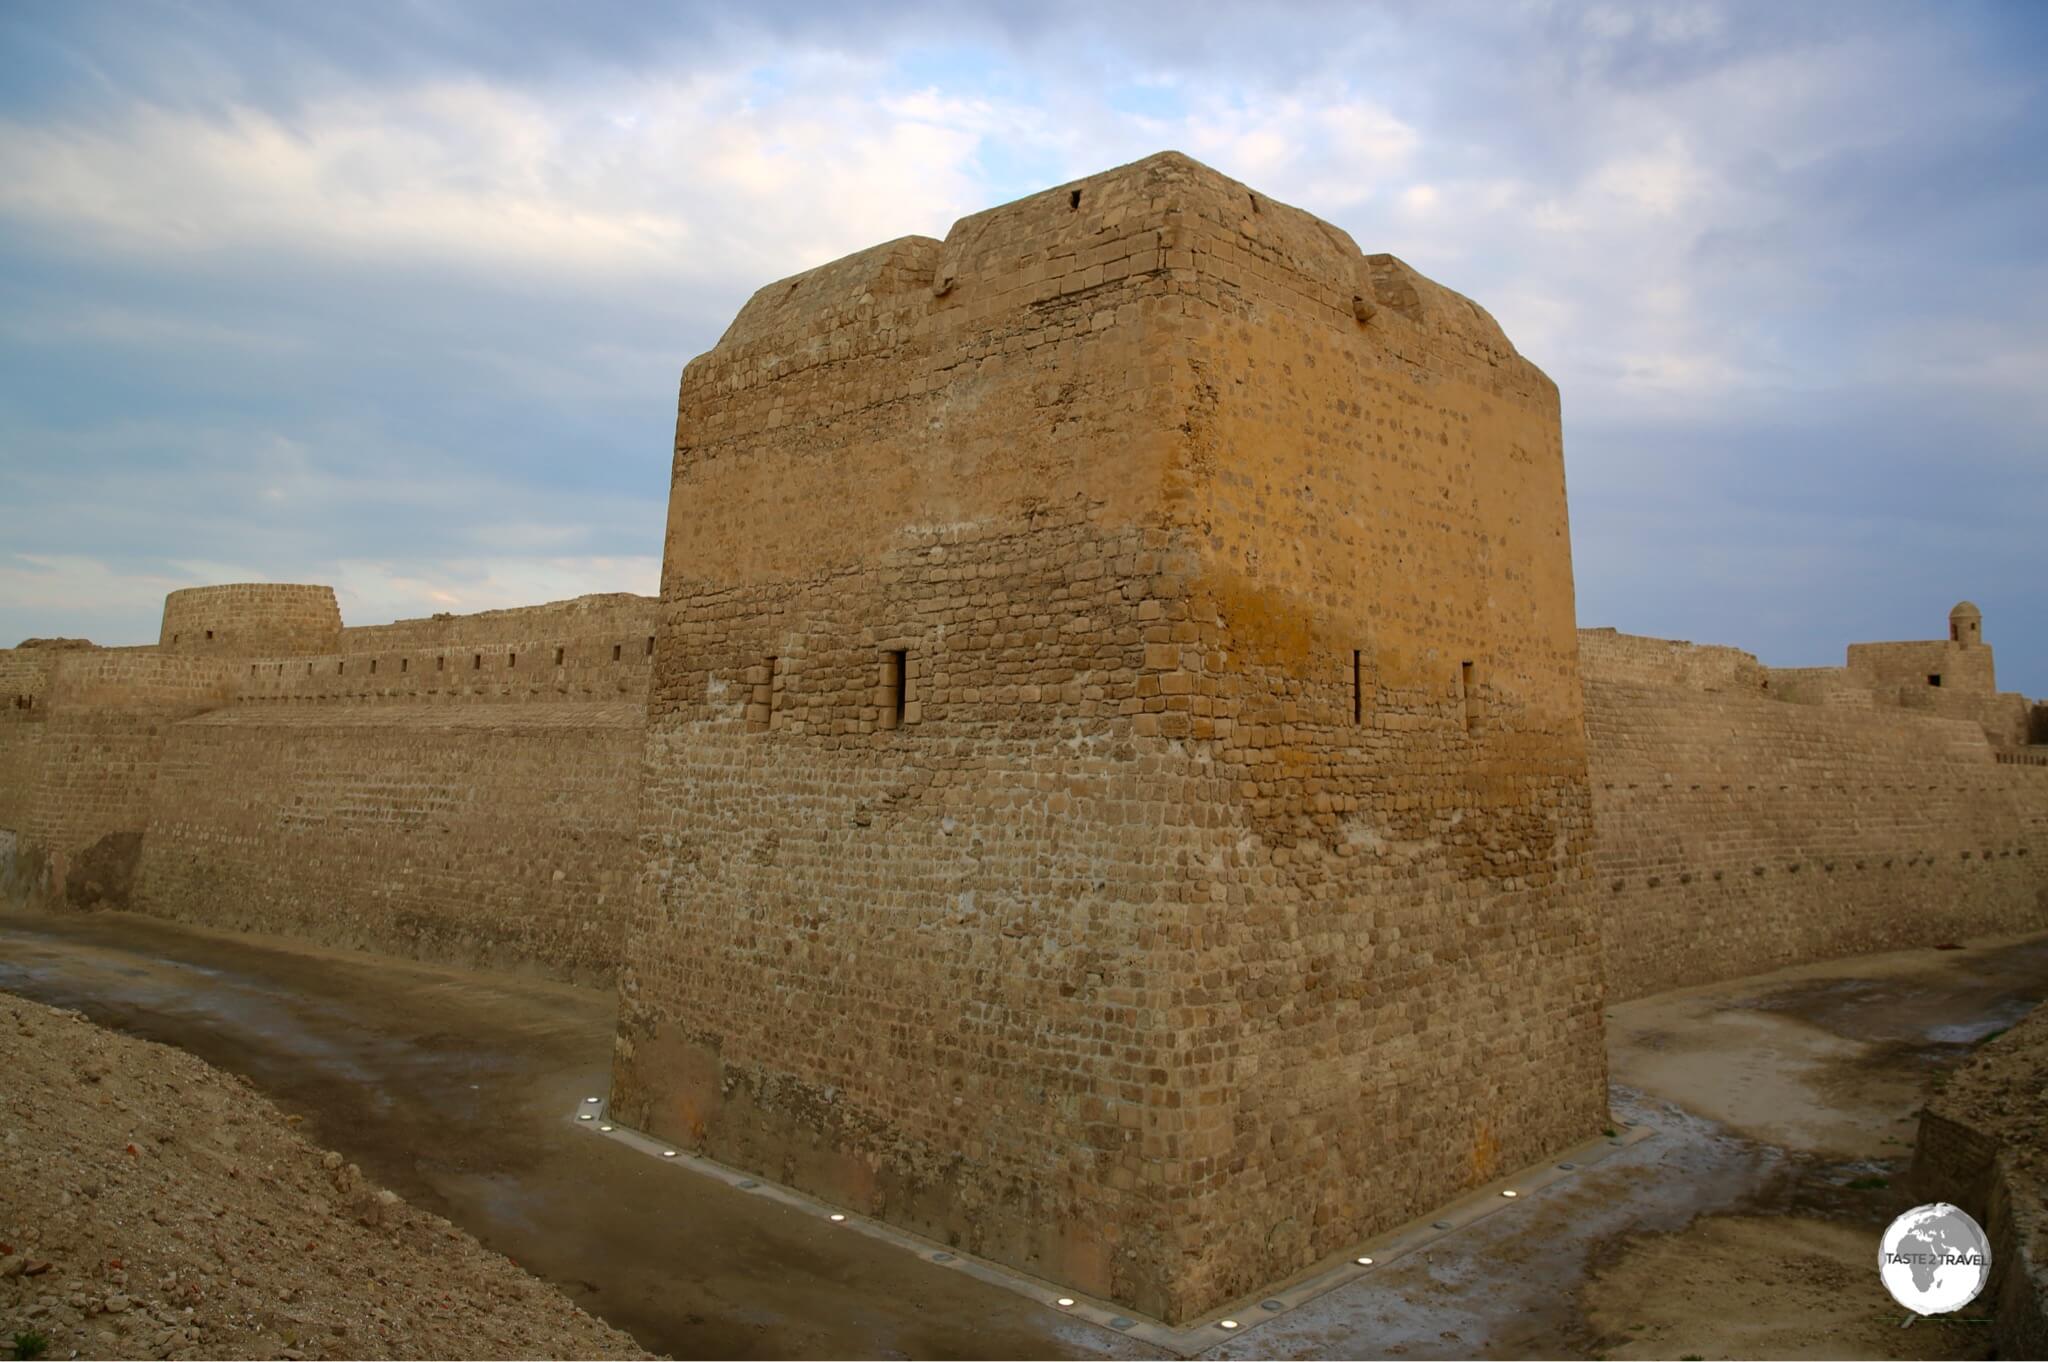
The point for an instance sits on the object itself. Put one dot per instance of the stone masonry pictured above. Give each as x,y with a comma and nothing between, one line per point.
1115,794
1111,780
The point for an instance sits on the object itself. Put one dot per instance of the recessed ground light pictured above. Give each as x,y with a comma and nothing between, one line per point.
1066,1300
668,1153
837,1216
1363,1262
1510,1192
604,1127
1226,1324
593,1099
587,1116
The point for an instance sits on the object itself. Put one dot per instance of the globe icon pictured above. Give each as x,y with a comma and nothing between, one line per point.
1934,1259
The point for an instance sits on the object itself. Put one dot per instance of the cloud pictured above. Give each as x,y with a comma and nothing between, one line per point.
399,295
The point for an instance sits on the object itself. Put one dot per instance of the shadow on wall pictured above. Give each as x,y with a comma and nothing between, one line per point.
24,877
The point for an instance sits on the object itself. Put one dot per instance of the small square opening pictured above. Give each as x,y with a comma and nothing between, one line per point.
1934,678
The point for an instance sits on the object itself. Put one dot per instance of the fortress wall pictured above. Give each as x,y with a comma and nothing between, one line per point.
589,650
1736,834
24,711
1125,954
611,618
1909,664
109,714
496,835
1614,656
1818,686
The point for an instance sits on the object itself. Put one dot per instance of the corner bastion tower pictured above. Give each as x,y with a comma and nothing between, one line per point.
1115,793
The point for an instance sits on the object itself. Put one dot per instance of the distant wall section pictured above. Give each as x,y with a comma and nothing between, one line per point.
458,787
1735,832
497,835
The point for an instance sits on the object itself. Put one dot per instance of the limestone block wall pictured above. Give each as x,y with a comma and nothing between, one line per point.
250,617
94,769
1963,667
24,711
1609,655
499,835
1115,786
462,787
1981,1147
1736,833
593,649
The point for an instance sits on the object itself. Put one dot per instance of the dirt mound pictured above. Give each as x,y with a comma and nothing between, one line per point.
153,1206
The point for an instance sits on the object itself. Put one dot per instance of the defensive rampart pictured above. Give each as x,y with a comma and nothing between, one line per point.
1738,832
461,787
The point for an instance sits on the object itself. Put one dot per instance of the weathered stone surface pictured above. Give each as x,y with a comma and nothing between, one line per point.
1214,892
1111,780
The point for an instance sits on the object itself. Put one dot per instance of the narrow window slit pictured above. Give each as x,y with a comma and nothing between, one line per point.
616,651
1471,694
476,663
1074,201
895,686
559,652
1357,686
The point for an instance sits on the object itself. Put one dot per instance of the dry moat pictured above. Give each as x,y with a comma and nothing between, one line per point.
1783,1109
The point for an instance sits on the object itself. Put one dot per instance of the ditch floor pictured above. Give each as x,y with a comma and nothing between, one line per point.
1784,1108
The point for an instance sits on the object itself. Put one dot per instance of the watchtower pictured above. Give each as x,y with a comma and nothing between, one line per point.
1115,788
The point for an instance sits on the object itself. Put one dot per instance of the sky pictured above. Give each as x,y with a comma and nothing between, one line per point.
395,296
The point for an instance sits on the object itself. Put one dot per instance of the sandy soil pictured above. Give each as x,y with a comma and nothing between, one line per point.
152,1206
1752,1286
1829,1064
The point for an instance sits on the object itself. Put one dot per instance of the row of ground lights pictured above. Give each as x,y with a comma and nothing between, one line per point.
1064,1302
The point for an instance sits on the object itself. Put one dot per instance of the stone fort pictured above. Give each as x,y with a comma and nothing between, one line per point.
1111,780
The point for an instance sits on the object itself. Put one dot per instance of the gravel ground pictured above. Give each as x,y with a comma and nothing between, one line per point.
153,1206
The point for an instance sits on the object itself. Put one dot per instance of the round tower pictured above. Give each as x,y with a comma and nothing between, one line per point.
1966,625
251,619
